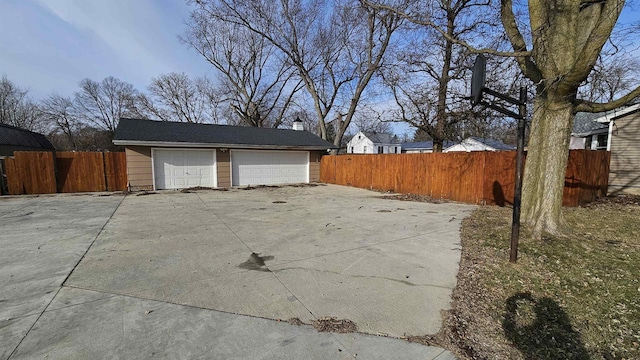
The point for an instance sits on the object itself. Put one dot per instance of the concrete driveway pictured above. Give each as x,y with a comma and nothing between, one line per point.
157,265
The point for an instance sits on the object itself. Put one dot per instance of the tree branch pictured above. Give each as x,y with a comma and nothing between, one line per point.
447,36
594,107
528,67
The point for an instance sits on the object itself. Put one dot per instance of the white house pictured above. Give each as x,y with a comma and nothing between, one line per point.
479,144
374,143
422,147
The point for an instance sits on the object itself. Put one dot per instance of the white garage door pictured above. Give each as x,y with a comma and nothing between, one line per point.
269,167
178,169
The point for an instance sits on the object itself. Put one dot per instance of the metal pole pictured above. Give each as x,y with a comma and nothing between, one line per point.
517,195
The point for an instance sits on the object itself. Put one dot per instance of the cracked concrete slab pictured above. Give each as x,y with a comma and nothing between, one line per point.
42,239
388,265
132,328
169,271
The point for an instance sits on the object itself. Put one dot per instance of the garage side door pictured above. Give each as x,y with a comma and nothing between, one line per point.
178,169
269,167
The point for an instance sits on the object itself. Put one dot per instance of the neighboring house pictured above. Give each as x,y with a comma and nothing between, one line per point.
479,144
422,147
373,143
588,133
617,131
172,155
15,139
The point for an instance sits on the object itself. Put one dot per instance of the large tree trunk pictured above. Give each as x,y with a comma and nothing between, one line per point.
546,165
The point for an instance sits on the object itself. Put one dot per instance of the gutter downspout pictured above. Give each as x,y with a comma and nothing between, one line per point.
609,139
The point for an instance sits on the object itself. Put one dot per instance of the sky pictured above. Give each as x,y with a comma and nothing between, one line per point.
50,45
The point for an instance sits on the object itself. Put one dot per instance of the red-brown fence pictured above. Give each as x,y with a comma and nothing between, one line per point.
481,177
35,172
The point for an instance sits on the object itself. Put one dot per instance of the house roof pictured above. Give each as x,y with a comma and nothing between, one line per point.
588,123
496,144
164,133
585,123
380,137
21,138
424,145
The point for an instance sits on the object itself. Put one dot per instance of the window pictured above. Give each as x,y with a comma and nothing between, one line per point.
351,150
364,149
587,143
601,142
380,150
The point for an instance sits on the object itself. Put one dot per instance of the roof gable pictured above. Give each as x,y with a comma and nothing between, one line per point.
495,144
381,138
143,131
585,123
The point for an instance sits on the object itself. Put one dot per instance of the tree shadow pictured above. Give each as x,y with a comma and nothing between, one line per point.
498,194
541,329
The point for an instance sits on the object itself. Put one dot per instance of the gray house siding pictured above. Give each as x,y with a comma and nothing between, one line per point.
624,175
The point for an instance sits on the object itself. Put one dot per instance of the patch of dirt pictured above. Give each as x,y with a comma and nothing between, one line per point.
146,193
194,188
413,197
260,187
332,324
296,322
306,185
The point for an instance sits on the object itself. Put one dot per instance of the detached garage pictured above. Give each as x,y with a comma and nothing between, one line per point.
170,155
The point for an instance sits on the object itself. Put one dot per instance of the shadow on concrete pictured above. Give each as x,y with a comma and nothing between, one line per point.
541,329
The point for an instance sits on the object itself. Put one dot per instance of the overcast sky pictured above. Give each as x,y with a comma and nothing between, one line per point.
50,45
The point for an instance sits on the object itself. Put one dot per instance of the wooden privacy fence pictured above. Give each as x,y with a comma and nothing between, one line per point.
39,172
481,177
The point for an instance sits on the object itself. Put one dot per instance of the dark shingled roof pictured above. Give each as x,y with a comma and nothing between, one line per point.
142,130
425,145
17,138
496,144
381,137
584,123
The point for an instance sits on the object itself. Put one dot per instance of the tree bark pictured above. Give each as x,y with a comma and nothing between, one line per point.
546,165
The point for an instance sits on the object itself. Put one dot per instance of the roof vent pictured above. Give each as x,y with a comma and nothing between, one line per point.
298,125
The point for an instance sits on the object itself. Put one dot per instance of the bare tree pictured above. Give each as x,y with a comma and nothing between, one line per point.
428,81
258,85
611,78
176,97
335,47
557,51
567,38
104,103
372,119
16,108
59,114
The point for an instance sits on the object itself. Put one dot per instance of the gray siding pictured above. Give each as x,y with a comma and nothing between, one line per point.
624,175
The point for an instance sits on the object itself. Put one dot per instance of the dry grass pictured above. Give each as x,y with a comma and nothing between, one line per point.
574,297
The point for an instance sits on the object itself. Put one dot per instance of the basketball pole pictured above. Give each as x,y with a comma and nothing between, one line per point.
517,194
478,89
